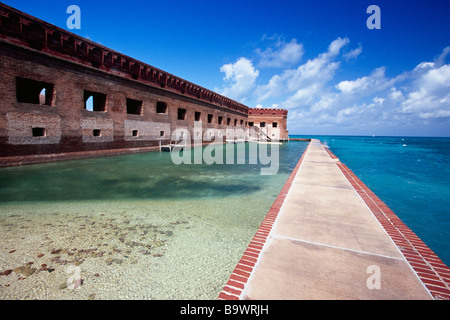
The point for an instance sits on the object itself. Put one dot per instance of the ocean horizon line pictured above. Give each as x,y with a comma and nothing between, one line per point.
366,136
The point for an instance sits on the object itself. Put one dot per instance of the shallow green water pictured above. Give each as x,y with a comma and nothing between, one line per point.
203,217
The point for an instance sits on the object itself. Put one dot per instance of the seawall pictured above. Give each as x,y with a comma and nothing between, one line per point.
328,236
66,97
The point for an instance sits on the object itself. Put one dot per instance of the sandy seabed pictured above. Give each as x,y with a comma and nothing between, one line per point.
125,250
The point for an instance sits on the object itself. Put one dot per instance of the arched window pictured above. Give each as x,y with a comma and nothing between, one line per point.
42,96
90,103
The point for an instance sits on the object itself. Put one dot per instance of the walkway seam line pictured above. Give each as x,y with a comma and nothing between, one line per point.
292,177
394,224
337,247
379,223
268,222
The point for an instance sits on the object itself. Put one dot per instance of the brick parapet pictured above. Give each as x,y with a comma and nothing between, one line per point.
268,112
22,29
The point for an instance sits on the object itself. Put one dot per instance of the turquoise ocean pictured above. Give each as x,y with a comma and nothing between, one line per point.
140,227
410,174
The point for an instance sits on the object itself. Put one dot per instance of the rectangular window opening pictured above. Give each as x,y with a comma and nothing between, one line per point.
210,118
134,107
181,114
220,120
262,124
228,121
38,132
35,92
251,124
162,133
235,122
135,133
94,101
97,133
161,107
275,125
197,116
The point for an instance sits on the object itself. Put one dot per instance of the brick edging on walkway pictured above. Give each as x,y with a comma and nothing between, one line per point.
430,269
241,274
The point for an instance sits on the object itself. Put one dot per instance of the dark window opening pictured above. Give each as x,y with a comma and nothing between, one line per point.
97,133
220,120
38,132
94,101
228,121
251,124
262,124
181,114
197,116
135,133
134,107
275,125
32,91
242,122
210,118
162,133
161,107
235,122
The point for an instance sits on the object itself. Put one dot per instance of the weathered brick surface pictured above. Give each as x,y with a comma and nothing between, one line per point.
269,117
70,66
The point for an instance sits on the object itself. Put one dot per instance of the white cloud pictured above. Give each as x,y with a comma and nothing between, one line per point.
303,83
353,54
375,82
440,60
395,95
280,54
304,96
413,98
410,100
425,65
274,88
335,47
430,94
317,102
378,100
318,70
240,78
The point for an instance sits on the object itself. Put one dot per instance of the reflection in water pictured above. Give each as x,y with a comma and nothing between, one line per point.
137,226
138,176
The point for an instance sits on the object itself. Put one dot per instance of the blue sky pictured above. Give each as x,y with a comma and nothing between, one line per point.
316,58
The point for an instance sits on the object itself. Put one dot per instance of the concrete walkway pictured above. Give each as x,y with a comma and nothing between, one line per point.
325,243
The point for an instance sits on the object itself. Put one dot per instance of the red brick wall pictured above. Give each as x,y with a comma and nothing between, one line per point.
69,65
69,127
269,116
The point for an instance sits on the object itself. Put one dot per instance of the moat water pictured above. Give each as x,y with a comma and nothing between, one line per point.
132,226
